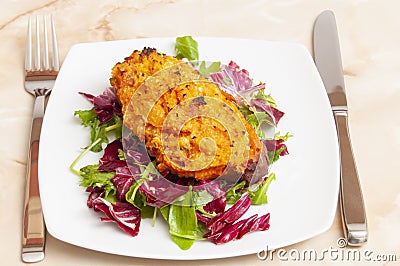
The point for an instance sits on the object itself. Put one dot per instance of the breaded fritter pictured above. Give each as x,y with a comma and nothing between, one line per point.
191,127
130,74
209,130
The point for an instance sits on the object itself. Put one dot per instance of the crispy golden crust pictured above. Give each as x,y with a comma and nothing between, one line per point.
130,74
197,142
212,134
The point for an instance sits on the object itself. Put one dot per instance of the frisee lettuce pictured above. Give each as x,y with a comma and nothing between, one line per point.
260,94
90,119
92,177
279,139
256,120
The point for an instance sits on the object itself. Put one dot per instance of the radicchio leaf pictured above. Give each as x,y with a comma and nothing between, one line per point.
228,233
125,215
239,229
160,191
202,218
122,183
218,204
105,105
110,160
231,76
272,112
276,145
135,150
235,81
231,215
95,192
124,178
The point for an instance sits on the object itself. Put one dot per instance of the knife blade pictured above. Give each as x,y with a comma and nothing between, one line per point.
328,60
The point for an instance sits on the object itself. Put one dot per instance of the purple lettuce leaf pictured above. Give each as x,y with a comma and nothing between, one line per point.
226,234
88,96
124,178
105,104
110,160
138,156
235,81
239,229
94,193
122,184
274,114
276,145
202,218
231,215
135,150
232,77
160,191
218,204
125,215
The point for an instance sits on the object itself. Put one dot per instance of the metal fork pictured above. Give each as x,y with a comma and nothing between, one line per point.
40,76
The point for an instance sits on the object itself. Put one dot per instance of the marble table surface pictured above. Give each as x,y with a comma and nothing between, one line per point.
370,39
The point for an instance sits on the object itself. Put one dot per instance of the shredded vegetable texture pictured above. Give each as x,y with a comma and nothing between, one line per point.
126,187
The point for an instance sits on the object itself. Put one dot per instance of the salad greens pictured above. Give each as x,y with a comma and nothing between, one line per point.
126,186
186,47
101,119
257,192
182,220
92,177
205,71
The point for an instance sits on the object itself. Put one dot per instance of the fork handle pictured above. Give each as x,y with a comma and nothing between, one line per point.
33,239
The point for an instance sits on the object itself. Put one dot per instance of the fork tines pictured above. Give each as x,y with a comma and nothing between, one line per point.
35,64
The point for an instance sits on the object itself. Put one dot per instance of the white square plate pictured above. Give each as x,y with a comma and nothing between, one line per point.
302,200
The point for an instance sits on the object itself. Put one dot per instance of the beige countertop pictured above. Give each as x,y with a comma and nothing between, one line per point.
370,39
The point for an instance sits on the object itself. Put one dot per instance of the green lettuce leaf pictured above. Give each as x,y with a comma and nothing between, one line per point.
138,200
266,97
274,156
92,177
234,193
87,117
205,71
182,220
257,193
90,119
260,195
256,119
186,47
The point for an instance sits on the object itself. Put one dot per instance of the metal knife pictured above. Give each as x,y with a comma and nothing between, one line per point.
329,63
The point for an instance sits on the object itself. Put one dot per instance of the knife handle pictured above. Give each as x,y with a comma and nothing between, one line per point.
33,231
351,199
